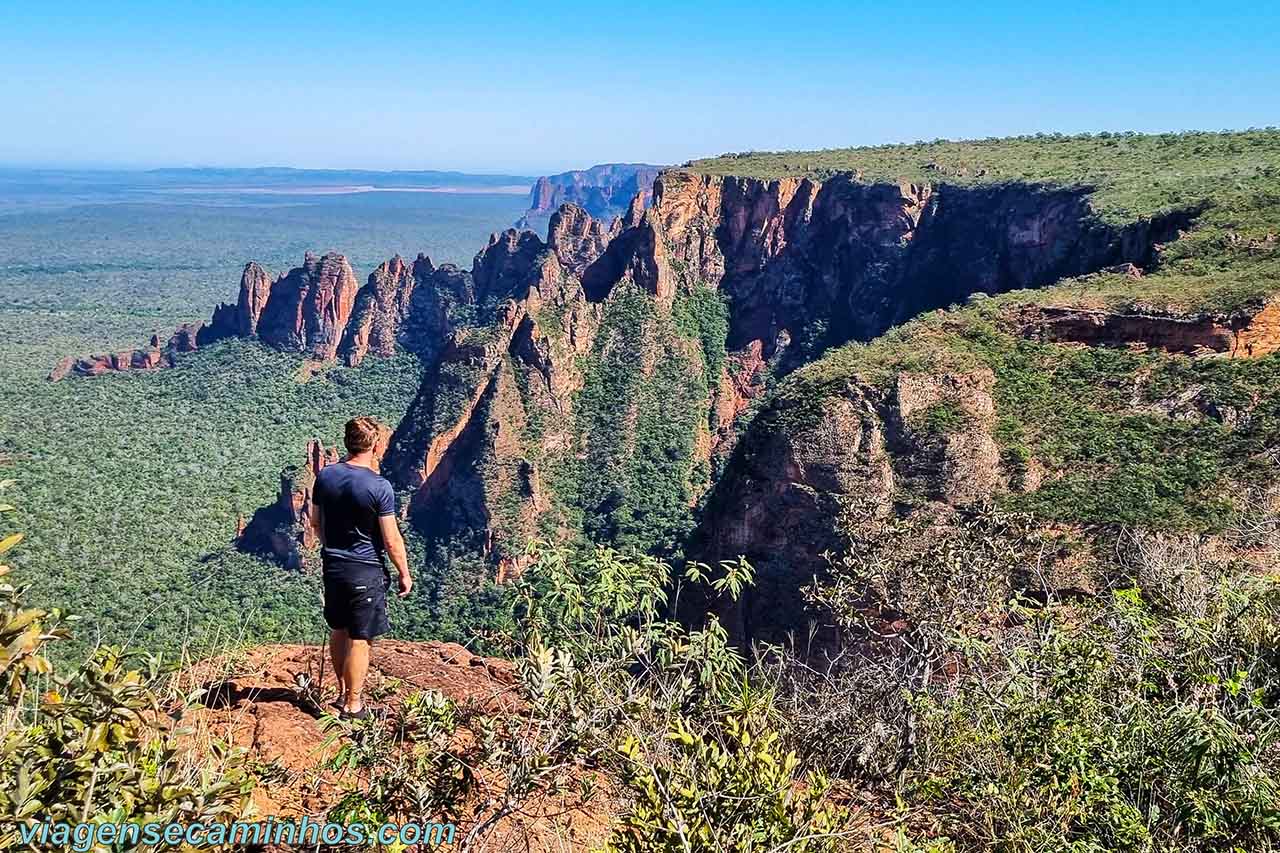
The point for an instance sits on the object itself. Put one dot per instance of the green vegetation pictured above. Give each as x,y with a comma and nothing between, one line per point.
1135,175
129,486
1110,426
142,478
1139,719
941,418
702,313
638,416
84,745
1227,263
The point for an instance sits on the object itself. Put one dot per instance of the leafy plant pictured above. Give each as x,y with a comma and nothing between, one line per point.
726,787
85,747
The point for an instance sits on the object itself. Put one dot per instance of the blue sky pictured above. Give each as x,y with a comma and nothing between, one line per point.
538,87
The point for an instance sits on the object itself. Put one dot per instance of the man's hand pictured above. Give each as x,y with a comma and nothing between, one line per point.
394,544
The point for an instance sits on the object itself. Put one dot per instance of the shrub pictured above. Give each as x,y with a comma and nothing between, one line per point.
84,746
725,787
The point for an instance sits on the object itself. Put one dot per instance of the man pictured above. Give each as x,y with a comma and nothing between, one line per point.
355,521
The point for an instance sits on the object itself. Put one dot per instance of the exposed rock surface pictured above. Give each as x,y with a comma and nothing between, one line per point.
270,701
255,290
317,309
478,399
1247,334
638,254
806,462
256,702
307,309
814,264
156,355
380,310
577,238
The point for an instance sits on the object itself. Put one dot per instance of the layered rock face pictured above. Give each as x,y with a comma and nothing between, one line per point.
305,310
463,449
806,463
807,264
255,289
404,307
578,239
1244,334
602,191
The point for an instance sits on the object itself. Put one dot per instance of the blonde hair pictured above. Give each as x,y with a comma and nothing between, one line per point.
361,434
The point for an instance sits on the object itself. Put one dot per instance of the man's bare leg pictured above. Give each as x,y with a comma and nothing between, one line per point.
355,669
339,645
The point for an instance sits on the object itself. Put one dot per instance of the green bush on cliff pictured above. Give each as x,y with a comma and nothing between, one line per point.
1005,712
1117,728
624,710
669,710
702,314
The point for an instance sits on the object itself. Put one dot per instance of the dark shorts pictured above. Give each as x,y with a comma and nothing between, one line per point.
355,599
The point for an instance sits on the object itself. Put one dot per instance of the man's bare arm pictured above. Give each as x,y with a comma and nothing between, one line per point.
394,543
317,523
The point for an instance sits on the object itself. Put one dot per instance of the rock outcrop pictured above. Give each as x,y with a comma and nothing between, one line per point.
483,394
258,704
577,238
282,530
806,462
1244,334
156,355
381,308
318,310
603,191
255,290
807,264
307,309
270,701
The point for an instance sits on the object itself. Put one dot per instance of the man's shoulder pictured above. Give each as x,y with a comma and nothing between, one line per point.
330,472
369,477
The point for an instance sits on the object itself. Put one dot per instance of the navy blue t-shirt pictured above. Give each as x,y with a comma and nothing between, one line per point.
352,499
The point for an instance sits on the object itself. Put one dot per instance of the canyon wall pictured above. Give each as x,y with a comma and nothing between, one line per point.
595,383
808,264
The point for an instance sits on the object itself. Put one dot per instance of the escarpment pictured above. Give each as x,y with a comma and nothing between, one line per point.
811,462
806,264
602,191
625,381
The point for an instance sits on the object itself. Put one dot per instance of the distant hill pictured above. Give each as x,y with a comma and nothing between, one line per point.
604,191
